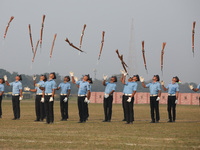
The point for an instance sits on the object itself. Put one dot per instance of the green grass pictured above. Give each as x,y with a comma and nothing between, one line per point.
27,134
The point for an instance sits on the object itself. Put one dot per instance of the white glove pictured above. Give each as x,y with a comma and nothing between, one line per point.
106,95
176,101
76,79
162,82
65,99
34,78
37,85
129,99
191,87
26,89
141,79
122,71
71,73
5,78
42,100
20,98
104,77
125,73
86,100
51,99
158,98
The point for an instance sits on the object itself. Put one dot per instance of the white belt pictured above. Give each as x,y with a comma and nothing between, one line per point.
63,94
39,94
15,94
127,94
108,94
171,94
81,95
48,94
154,95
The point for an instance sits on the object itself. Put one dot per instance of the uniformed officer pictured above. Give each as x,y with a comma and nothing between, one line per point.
49,88
123,101
129,93
173,92
155,93
108,97
195,90
16,95
88,101
64,97
83,96
1,94
39,101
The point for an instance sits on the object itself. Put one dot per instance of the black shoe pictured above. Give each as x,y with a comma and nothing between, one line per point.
152,121
124,120
14,119
127,123
173,120
37,120
169,121
0,117
62,119
47,123
157,121
41,120
109,121
80,122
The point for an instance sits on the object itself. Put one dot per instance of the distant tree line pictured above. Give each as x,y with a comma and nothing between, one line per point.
97,85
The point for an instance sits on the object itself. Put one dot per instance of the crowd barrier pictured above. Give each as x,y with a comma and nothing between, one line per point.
144,98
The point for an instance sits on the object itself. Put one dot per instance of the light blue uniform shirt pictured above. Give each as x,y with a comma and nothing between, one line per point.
49,86
109,87
64,87
154,88
16,87
90,87
172,88
84,87
1,87
41,83
129,87
198,87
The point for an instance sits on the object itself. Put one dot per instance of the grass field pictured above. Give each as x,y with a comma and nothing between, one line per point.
95,134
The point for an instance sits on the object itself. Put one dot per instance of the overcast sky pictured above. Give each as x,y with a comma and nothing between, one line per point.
154,21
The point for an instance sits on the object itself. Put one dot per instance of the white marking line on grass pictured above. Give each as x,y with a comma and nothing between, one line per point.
145,145
32,141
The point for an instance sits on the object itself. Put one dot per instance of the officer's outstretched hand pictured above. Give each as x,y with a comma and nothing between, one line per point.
105,77
162,82
71,73
34,78
76,79
141,79
191,87
26,89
